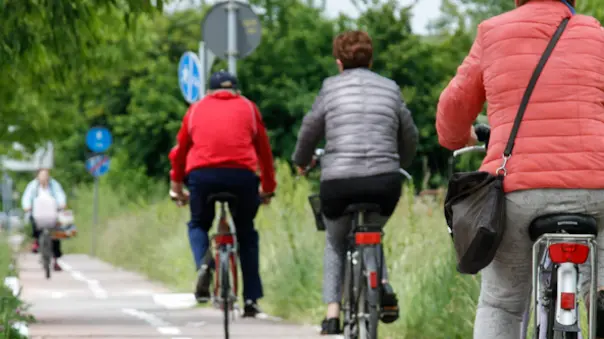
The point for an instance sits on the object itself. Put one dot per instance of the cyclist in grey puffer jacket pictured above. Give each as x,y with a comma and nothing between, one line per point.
369,134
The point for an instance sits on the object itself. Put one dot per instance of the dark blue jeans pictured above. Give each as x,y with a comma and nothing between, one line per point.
243,184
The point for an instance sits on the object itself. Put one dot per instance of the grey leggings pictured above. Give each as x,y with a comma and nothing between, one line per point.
335,255
506,282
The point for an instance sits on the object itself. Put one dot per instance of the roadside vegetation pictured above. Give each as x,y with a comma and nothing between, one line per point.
151,237
13,311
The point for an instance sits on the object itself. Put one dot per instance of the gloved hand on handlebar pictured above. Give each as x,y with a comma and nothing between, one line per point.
483,133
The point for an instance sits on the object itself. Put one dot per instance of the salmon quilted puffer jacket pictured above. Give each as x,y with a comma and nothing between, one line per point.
560,143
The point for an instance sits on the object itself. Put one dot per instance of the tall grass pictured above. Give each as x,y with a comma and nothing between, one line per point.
436,302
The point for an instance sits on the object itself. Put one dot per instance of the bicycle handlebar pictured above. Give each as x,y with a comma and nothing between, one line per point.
483,134
469,149
319,152
174,197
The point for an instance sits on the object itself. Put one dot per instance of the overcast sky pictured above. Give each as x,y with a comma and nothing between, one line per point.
424,11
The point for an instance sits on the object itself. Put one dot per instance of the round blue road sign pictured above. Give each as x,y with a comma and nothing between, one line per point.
97,165
189,77
98,139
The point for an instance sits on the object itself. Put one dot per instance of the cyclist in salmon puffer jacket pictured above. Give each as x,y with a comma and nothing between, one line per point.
557,164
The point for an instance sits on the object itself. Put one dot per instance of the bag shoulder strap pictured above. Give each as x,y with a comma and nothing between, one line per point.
529,91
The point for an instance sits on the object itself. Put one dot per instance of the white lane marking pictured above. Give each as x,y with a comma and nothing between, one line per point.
175,300
93,285
265,316
160,325
168,330
57,295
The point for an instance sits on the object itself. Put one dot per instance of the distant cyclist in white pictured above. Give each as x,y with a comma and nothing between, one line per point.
43,184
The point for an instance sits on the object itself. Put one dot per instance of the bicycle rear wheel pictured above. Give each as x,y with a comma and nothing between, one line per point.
225,289
370,302
348,302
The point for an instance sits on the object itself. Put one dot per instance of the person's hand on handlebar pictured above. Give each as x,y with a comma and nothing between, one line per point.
265,198
302,171
178,194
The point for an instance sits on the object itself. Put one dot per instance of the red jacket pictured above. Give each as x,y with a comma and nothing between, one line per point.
223,130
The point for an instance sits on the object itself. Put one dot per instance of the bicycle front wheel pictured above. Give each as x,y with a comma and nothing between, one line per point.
225,289
46,247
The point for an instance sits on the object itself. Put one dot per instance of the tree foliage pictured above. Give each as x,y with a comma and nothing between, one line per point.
128,82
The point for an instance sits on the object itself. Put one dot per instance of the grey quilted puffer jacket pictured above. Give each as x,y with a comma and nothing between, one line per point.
368,128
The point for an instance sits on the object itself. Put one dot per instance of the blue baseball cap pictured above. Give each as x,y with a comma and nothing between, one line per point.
223,80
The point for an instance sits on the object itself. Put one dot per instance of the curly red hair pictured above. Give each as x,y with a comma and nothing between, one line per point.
354,49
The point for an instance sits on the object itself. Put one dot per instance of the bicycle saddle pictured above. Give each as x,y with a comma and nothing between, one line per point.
222,197
569,223
355,208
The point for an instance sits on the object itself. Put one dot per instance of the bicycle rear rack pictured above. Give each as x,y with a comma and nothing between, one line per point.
552,238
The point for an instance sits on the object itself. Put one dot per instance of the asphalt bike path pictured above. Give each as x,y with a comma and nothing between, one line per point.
92,299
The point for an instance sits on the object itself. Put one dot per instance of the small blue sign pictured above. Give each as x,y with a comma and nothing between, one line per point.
98,165
189,77
98,139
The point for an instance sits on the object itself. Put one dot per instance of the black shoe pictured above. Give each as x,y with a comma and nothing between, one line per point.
390,311
202,288
331,326
251,309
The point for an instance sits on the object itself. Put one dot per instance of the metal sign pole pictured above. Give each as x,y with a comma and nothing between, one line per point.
95,215
203,71
232,37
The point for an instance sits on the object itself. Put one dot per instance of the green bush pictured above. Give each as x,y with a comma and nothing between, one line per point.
436,302
12,309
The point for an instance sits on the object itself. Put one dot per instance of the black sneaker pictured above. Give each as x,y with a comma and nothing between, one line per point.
390,311
251,309
331,326
202,288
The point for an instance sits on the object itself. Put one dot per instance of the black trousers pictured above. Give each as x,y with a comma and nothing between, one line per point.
56,244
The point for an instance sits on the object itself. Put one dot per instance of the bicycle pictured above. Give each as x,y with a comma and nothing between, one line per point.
364,266
64,229
562,242
224,295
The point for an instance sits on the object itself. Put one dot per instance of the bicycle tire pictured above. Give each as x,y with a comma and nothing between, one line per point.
374,316
551,310
371,301
363,323
348,301
46,252
225,289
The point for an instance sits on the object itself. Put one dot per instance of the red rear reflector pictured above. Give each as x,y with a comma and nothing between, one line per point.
373,280
567,301
368,238
567,252
224,239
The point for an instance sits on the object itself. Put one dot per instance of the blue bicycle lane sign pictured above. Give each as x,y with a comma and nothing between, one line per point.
189,77
98,139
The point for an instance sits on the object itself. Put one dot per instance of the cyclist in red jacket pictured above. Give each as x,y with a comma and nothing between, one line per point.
220,145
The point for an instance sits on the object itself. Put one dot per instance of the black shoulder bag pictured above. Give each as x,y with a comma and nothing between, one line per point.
475,201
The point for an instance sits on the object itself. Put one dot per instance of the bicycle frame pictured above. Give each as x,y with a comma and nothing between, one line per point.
566,282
